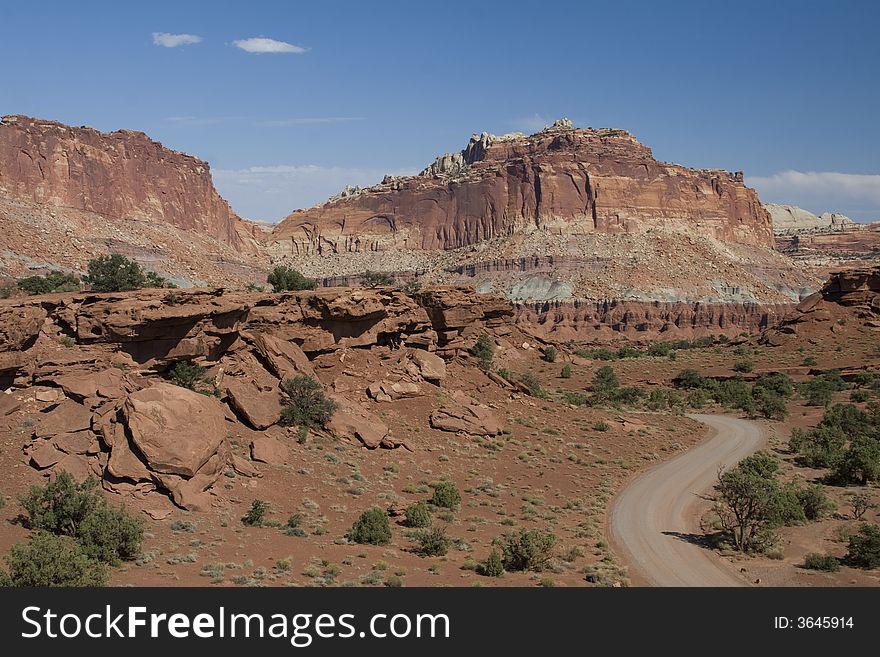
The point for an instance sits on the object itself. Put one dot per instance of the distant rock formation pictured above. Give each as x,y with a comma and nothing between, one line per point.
561,180
790,219
118,175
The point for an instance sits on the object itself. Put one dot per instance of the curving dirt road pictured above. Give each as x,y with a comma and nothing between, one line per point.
653,521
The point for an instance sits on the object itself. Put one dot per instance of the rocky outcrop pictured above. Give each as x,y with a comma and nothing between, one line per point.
463,414
790,219
118,175
848,302
562,180
610,320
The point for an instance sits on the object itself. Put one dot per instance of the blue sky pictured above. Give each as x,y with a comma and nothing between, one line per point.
786,91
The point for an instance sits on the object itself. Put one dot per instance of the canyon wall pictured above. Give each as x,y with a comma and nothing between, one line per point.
562,180
119,175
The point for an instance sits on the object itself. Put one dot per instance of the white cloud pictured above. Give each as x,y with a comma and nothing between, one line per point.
854,194
262,44
200,120
530,124
273,192
173,40
287,123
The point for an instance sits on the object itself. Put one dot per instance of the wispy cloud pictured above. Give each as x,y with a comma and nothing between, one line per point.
530,123
263,45
201,120
273,192
853,194
168,40
287,123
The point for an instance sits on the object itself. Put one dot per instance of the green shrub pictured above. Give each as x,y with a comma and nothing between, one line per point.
786,509
860,504
864,547
256,515
411,287
112,535
819,391
859,463
815,502
818,448
628,396
743,366
628,352
816,561
493,566
187,374
528,550
376,279
533,386
115,273
446,495
776,382
550,354
602,426
433,542
285,279
859,396
605,382
61,505
483,351
575,398
48,560
292,526
54,281
769,403
305,404
660,349
152,279
372,528
417,515
689,379
697,398
566,371
809,361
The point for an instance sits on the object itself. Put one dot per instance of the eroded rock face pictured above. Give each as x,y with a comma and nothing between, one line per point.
561,180
848,302
122,174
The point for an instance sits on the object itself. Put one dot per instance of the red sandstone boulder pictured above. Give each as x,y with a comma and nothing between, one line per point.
464,414
258,406
354,422
66,417
267,449
177,430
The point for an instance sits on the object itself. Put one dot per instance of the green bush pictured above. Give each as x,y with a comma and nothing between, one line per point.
689,379
628,352
417,515
305,404
602,426
809,361
115,273
411,287
628,396
818,448
187,374
575,398
859,463
446,495
605,381
661,349
372,528
54,281
769,403
285,279
816,561
815,502
256,515
49,560
433,542
494,566
483,351
112,535
528,550
61,505
550,354
864,547
376,279
743,366
819,391
697,398
859,396
860,504
566,371
533,386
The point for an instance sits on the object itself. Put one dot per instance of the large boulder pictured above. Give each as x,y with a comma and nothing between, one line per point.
267,449
176,429
259,407
66,417
464,414
431,366
283,358
110,383
354,422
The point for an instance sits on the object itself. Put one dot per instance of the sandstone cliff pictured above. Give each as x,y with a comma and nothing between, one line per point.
118,175
561,180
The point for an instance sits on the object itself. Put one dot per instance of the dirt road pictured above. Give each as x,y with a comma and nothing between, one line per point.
654,520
